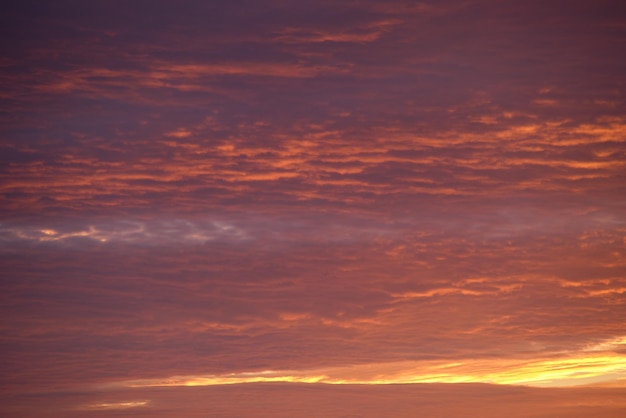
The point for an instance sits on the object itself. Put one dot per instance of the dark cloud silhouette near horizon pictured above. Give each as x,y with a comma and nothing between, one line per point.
345,401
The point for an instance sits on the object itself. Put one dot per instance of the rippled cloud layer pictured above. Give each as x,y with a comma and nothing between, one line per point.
205,193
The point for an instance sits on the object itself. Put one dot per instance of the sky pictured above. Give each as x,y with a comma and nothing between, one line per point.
341,208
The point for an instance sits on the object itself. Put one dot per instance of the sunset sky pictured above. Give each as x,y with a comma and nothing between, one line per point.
345,209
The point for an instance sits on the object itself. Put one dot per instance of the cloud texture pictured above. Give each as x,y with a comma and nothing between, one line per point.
200,193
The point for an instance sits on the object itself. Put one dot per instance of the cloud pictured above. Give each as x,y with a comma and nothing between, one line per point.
332,192
567,370
105,406
348,401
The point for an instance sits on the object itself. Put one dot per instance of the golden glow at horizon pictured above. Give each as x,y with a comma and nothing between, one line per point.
603,368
